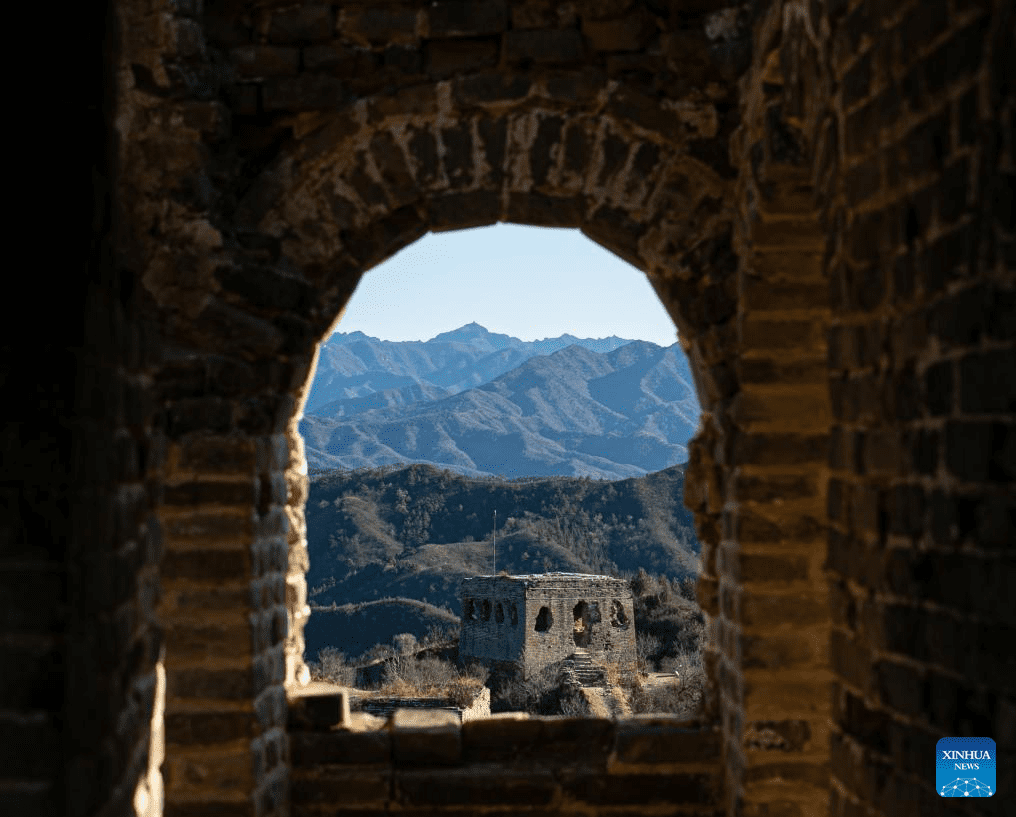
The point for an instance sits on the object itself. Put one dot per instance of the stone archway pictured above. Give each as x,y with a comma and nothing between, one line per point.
555,150
255,249
582,626
352,187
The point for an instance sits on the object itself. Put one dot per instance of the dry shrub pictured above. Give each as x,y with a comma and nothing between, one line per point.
463,691
333,667
684,698
432,678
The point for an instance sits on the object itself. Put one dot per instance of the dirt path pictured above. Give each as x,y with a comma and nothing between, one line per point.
597,705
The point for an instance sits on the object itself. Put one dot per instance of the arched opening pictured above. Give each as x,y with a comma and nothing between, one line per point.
618,617
485,610
499,613
514,610
544,620
469,613
582,626
336,204
436,275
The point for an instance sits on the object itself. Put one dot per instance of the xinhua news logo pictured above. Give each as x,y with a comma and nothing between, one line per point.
965,767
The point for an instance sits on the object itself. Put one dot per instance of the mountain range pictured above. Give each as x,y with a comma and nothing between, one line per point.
479,403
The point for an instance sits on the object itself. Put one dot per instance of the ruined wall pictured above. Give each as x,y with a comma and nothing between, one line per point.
488,633
541,621
502,766
608,638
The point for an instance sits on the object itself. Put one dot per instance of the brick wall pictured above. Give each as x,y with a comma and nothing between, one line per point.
494,638
257,161
427,764
922,369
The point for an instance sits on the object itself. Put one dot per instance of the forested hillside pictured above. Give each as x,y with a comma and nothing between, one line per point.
415,532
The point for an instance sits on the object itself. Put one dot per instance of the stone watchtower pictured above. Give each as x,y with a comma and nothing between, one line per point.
524,623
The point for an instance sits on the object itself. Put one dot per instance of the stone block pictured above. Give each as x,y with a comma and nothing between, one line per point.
642,789
336,785
190,494
206,565
459,18
306,92
320,711
389,24
313,749
769,296
796,334
611,228
545,211
336,57
225,684
648,743
546,46
444,58
850,659
498,740
988,382
425,737
220,529
253,61
475,788
205,727
456,211
302,24
801,610
480,89
629,33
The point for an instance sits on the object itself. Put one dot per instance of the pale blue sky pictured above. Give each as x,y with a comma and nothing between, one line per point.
528,282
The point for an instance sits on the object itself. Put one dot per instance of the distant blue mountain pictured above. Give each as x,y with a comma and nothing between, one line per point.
478,403
356,365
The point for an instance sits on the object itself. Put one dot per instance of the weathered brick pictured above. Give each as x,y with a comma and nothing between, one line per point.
445,58
770,610
779,449
628,33
265,60
785,736
340,59
340,785
458,159
480,89
475,787
958,57
927,145
386,25
310,749
656,743
548,135
306,92
856,82
543,46
988,382
863,181
204,727
466,19
920,27
303,24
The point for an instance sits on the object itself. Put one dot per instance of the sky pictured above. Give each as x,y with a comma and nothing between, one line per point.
527,282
